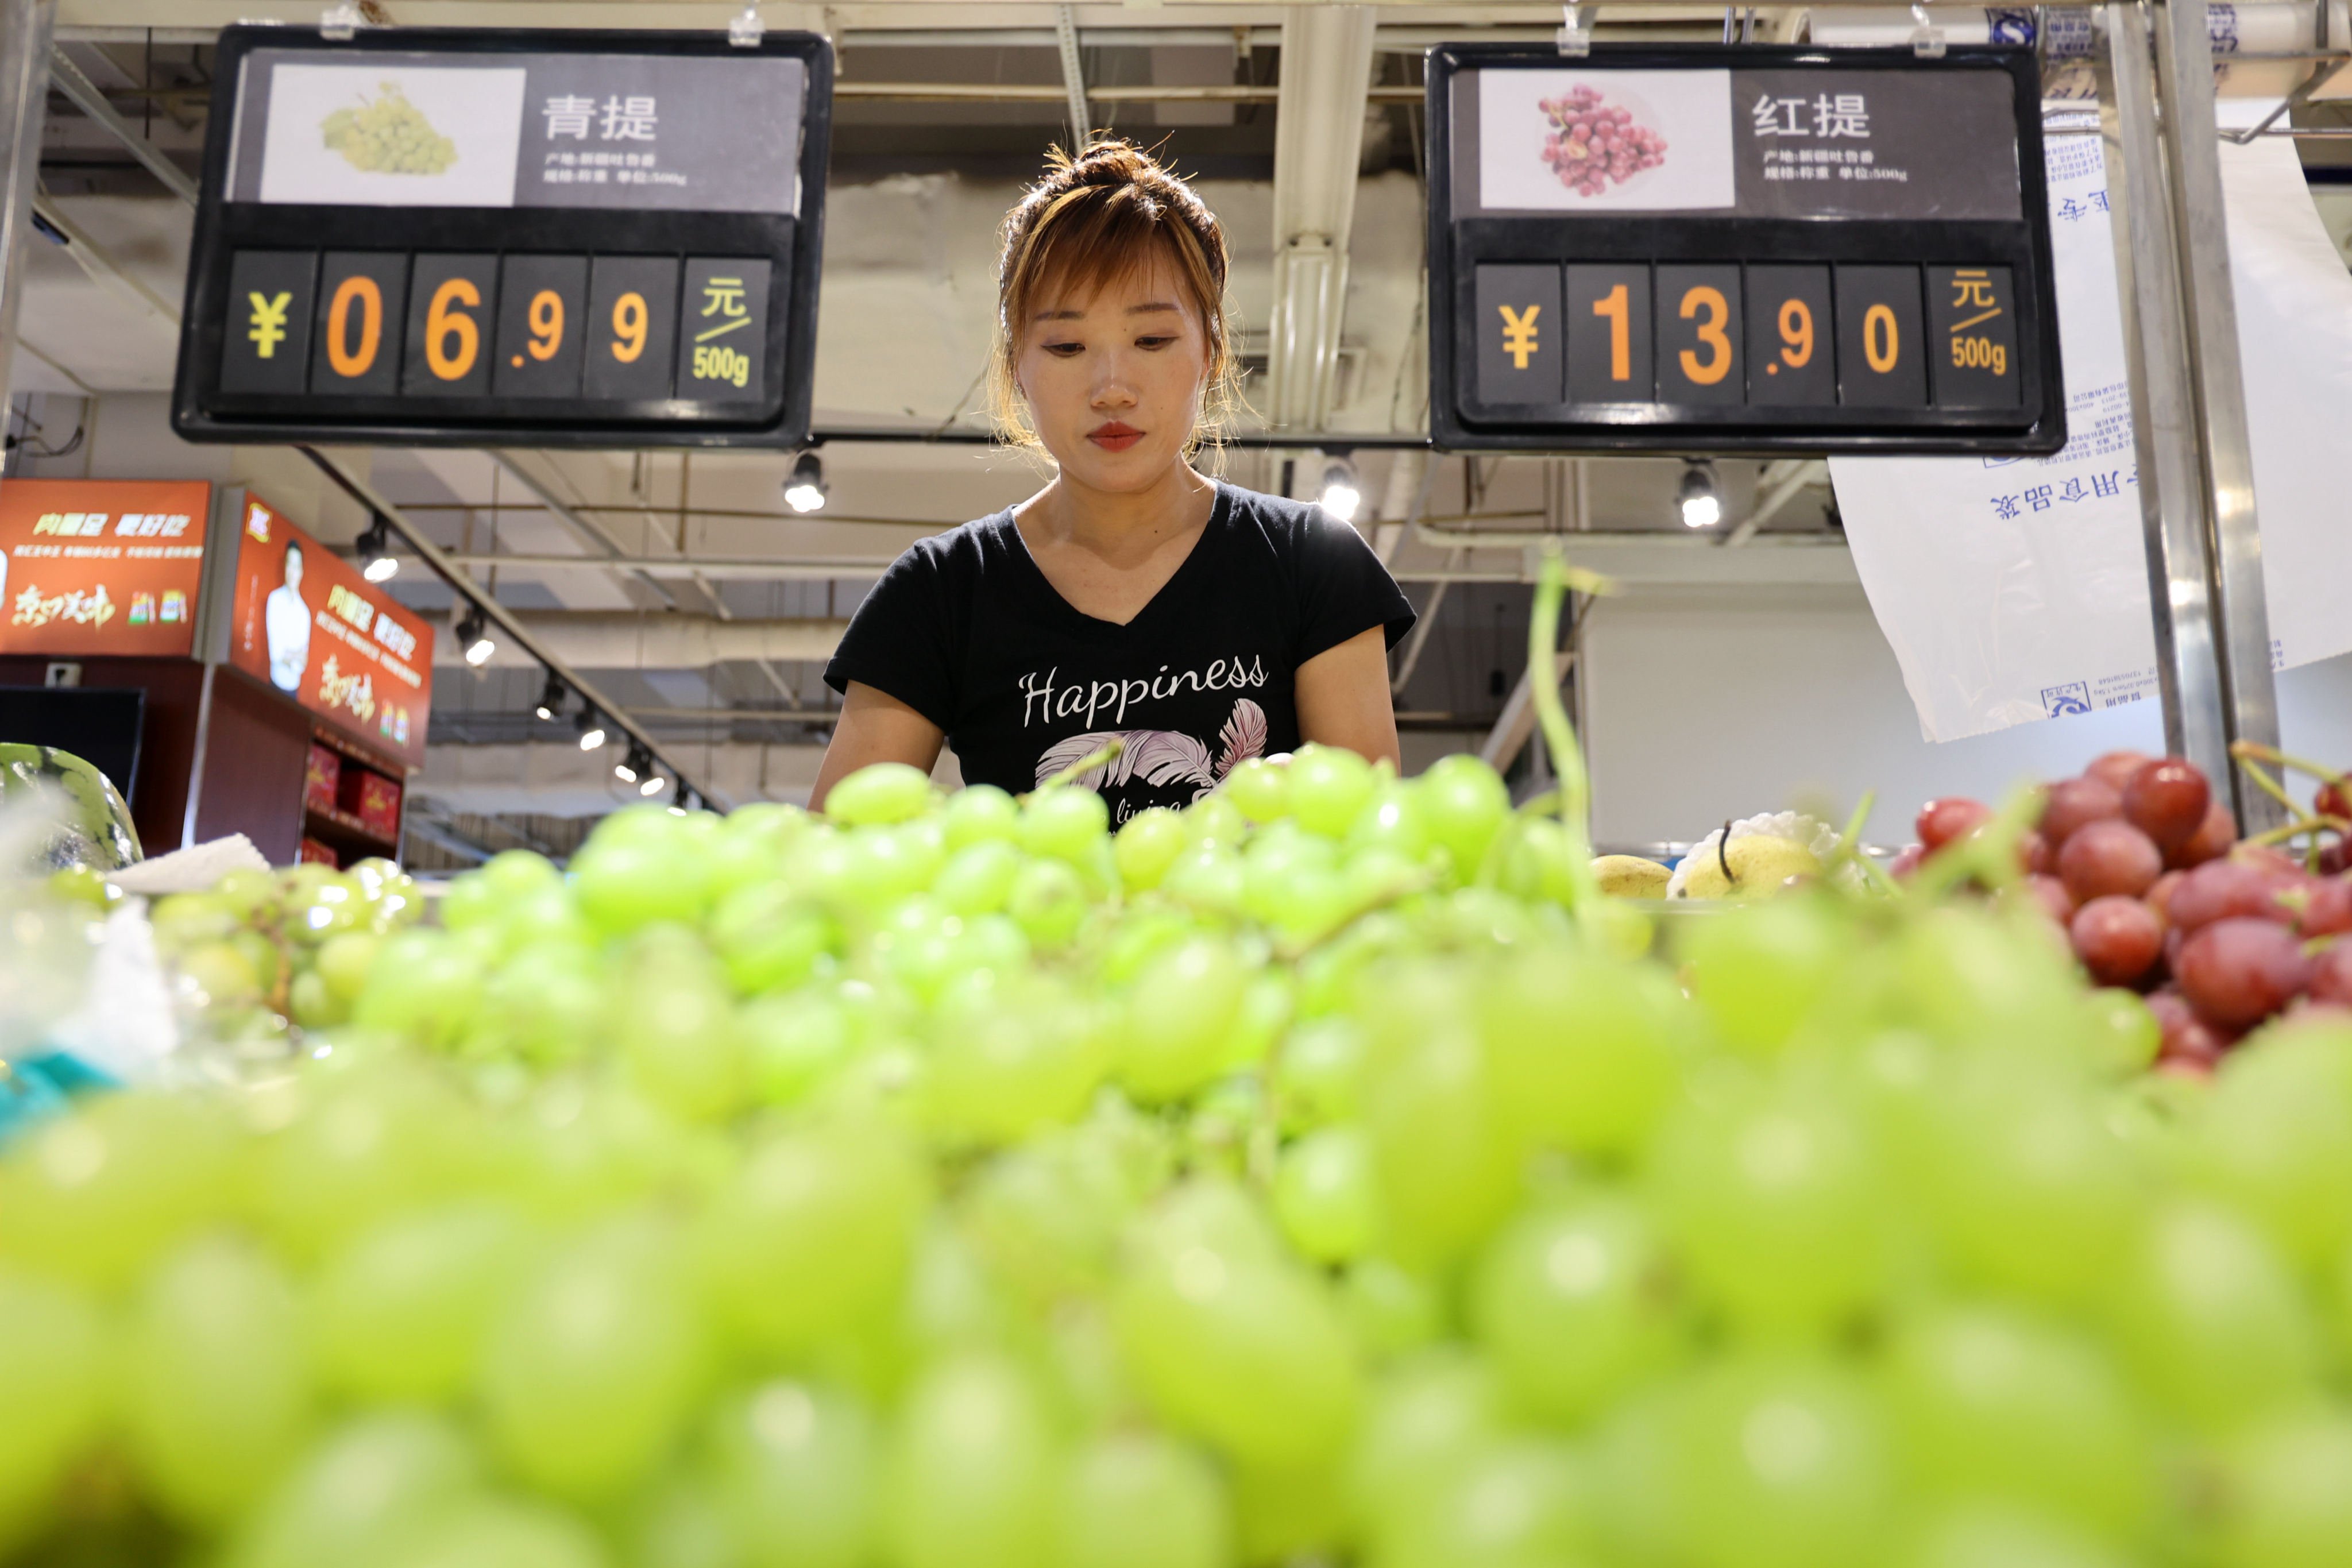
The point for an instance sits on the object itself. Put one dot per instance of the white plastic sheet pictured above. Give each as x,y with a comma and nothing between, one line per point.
2016,591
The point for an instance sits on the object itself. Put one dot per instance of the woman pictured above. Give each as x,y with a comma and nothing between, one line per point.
1133,597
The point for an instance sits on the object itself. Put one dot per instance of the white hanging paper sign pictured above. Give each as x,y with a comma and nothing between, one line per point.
2016,588
2295,345
2013,590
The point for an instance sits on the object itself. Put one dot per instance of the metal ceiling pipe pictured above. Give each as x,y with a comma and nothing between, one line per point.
610,639
24,28
1327,74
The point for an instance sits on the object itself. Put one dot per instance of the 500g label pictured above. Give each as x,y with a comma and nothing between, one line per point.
726,364
1982,353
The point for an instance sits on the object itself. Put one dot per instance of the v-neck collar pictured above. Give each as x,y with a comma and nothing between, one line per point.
1061,611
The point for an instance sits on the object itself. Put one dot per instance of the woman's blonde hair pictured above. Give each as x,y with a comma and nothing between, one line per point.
1102,217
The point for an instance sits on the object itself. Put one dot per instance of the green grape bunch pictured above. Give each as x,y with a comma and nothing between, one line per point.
1307,1175
388,135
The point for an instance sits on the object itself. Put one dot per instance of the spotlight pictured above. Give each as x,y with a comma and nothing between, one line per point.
805,490
474,632
688,800
1700,505
1340,497
592,730
655,783
377,563
635,763
550,699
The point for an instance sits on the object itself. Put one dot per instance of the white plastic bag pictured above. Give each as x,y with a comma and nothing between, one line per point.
2017,591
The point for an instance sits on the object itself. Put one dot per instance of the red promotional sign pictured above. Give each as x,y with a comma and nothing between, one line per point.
101,567
310,624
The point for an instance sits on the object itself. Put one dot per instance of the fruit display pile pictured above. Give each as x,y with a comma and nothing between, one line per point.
1591,143
1315,1175
2140,863
1327,1172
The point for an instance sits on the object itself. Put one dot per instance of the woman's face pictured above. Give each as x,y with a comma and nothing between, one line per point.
1114,380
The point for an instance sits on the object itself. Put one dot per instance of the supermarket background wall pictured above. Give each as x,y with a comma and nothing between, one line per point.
1704,704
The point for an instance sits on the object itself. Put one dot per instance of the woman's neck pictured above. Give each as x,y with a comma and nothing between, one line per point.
1121,524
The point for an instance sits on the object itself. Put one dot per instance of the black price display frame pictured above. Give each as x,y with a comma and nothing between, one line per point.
633,270
1870,275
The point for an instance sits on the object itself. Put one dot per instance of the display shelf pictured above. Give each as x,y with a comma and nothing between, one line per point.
332,825
335,740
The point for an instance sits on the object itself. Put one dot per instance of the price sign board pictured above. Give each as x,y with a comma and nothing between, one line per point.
1698,248
483,237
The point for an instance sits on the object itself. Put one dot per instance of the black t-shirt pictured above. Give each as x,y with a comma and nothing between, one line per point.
966,630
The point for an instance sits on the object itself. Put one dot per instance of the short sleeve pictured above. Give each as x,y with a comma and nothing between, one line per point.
900,640
1344,591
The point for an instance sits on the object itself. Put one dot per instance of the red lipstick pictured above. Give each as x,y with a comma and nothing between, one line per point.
1114,436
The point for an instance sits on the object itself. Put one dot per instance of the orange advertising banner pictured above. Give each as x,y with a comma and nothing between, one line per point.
101,567
305,621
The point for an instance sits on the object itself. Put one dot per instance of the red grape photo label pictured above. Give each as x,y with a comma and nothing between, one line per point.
1598,141
1593,144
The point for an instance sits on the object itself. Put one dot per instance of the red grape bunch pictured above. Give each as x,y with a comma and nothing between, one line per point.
1591,143
2140,864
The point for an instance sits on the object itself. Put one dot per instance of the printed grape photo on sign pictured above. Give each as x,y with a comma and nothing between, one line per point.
389,134
1605,140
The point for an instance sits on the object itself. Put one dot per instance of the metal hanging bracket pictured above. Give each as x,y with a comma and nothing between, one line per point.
746,30
1574,38
339,21
1926,40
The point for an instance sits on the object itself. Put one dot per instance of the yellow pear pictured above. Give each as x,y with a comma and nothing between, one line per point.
1631,877
1759,863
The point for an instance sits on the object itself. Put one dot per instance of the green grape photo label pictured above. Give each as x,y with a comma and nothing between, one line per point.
389,135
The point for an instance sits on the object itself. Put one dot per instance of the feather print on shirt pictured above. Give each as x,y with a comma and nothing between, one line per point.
1162,758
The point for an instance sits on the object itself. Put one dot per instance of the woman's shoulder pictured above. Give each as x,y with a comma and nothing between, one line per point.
1290,529
958,552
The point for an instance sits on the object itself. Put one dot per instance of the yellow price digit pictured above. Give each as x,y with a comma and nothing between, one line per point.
1881,343
1796,333
1718,363
629,327
546,317
1616,309
443,321
347,360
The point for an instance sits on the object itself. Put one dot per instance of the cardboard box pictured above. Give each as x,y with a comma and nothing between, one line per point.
323,778
375,801
314,852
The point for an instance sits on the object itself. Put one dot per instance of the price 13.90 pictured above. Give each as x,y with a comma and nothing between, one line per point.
1723,335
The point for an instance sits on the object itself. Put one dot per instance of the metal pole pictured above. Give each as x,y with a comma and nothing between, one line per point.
2162,421
2163,426
24,28
2193,164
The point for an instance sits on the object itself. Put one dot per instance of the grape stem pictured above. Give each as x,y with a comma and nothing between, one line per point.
2285,831
2247,752
1566,758
1096,758
2269,785
1987,855
1849,849
2255,751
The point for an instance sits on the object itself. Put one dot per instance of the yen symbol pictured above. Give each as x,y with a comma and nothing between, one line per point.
1519,334
268,323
